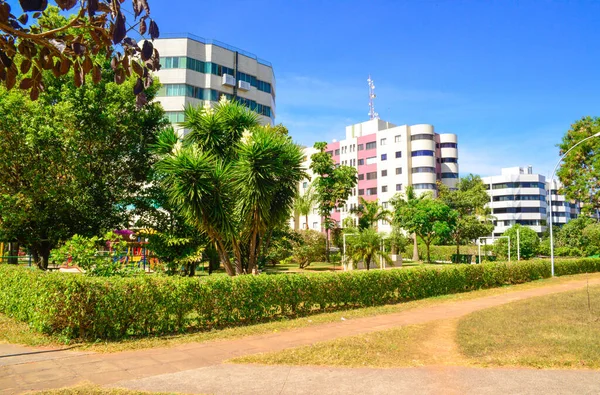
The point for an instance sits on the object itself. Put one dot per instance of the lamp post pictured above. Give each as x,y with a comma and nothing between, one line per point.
550,198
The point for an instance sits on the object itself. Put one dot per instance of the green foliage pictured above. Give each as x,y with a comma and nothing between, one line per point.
175,251
529,243
366,247
425,216
114,308
310,248
232,179
370,213
84,252
579,171
303,204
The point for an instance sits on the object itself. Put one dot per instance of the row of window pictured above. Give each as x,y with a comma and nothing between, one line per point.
423,169
449,175
518,197
421,137
185,62
517,210
210,95
447,145
175,116
447,160
422,153
525,222
515,184
373,175
384,189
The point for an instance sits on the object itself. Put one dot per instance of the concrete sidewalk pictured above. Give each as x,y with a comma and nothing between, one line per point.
32,370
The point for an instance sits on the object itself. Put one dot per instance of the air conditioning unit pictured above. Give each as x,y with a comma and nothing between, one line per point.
244,86
228,80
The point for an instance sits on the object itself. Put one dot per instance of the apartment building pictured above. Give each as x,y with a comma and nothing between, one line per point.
518,196
388,158
196,71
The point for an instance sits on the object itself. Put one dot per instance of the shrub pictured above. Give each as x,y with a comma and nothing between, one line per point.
310,248
75,306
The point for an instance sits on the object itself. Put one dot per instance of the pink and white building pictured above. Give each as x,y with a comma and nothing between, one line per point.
388,159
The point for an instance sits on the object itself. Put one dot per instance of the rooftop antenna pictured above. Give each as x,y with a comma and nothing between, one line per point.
372,113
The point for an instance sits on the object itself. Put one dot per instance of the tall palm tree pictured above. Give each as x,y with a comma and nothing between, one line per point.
370,213
304,204
410,198
366,247
231,178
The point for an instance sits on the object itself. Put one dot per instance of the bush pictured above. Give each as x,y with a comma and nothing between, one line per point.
75,306
310,248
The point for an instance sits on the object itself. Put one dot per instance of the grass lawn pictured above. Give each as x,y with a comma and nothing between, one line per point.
84,389
552,331
15,332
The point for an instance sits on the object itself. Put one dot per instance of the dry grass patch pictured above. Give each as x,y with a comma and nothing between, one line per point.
92,389
15,332
555,331
414,345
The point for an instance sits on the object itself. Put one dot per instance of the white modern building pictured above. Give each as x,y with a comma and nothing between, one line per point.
196,71
388,159
518,196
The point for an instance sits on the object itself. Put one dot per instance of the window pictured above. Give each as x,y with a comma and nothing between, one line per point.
397,139
383,173
448,145
371,160
421,137
424,186
175,116
372,175
423,169
449,175
384,188
361,162
504,198
384,204
337,152
382,141
449,160
361,177
398,187
422,153
371,191
315,225
305,185
361,192
398,154
398,170
504,185
371,145
360,147
383,157
330,153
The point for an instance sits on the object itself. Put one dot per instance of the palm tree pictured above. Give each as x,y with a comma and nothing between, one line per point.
366,247
410,198
231,178
370,213
304,204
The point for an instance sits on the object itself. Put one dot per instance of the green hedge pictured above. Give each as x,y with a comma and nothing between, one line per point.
76,306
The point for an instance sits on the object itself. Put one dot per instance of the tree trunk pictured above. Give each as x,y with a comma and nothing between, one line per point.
427,246
327,245
192,269
41,255
415,248
13,253
307,222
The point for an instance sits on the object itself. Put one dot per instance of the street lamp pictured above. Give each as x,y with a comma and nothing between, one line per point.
550,197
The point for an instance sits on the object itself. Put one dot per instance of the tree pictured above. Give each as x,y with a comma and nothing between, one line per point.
333,185
309,248
529,242
303,204
428,218
97,27
72,161
410,198
469,200
231,178
366,246
370,213
579,172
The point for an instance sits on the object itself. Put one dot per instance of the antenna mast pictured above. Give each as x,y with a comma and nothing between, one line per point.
372,113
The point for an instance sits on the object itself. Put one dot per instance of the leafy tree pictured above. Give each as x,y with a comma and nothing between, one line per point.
366,247
469,200
580,170
370,213
592,233
231,178
303,204
310,248
529,242
72,161
426,217
333,185
71,47
409,198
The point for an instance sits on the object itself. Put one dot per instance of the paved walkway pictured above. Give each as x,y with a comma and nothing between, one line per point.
200,365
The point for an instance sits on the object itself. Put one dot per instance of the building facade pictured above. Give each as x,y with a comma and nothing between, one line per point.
196,71
388,158
518,196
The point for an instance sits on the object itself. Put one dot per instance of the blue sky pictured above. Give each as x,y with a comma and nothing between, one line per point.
509,77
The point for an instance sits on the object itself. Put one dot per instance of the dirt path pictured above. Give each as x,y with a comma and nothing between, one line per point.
23,369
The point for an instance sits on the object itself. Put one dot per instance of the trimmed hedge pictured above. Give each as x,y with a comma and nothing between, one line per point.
76,306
